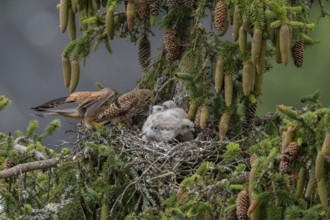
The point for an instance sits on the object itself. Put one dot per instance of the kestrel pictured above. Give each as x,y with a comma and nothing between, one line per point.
157,108
171,107
126,106
90,106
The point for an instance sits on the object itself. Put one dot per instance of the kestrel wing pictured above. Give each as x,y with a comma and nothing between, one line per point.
94,106
123,106
94,97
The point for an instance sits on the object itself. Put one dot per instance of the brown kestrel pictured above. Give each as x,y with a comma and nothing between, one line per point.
90,106
126,106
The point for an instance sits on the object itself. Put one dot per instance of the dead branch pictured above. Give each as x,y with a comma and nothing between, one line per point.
26,167
22,149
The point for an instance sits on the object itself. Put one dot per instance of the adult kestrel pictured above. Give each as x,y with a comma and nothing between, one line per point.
90,106
126,106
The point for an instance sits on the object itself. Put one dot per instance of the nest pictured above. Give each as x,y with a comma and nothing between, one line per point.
156,169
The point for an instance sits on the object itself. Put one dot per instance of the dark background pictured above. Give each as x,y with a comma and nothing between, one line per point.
30,65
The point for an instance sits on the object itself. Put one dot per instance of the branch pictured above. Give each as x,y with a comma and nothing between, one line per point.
26,167
22,149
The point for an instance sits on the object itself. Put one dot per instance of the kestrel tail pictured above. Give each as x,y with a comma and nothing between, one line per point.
126,106
90,105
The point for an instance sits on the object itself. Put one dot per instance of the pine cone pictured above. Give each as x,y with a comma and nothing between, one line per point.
142,9
288,156
231,215
236,22
219,75
242,40
243,204
130,13
8,164
171,4
189,4
285,43
250,114
198,117
256,45
144,52
248,77
180,195
204,116
228,83
224,124
154,6
221,17
172,45
297,52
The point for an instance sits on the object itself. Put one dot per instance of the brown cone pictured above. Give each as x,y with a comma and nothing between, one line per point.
231,215
189,4
198,117
154,6
172,45
249,114
171,4
288,156
144,52
130,13
221,17
223,125
297,52
243,204
142,9
8,164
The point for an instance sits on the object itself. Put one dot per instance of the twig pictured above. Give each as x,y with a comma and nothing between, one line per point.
26,167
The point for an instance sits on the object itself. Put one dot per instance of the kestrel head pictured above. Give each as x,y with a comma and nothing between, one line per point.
156,109
147,95
169,104
187,125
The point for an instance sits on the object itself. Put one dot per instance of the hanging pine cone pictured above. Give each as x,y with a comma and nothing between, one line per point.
171,4
223,125
125,4
243,204
231,215
189,4
154,6
229,87
297,52
249,114
248,77
172,45
221,17
130,13
285,43
144,52
288,156
198,118
142,9
204,116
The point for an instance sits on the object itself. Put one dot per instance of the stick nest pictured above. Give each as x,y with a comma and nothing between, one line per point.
155,169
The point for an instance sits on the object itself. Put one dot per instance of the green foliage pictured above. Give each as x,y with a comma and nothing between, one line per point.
4,102
96,179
